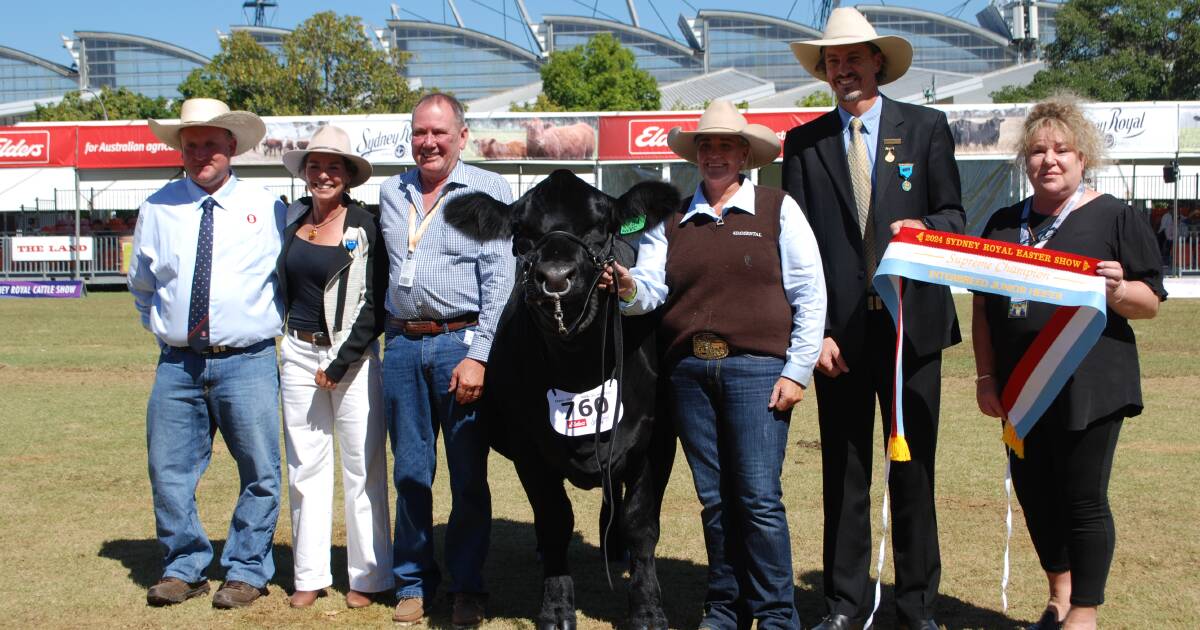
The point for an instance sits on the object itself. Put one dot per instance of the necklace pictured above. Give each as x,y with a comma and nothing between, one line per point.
312,232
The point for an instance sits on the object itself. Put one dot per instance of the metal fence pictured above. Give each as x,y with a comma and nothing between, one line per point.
104,267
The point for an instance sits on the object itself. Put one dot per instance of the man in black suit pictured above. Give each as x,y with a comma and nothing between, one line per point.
861,172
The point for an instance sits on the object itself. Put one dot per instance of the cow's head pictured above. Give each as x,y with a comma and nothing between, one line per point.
563,232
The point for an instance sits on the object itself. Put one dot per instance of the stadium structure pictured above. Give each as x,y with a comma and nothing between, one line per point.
715,53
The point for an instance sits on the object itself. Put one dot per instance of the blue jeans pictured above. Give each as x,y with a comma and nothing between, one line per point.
193,397
416,375
735,446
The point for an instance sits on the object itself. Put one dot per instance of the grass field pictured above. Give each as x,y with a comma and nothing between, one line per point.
77,530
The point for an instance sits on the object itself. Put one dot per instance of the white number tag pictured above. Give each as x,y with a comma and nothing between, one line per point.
573,414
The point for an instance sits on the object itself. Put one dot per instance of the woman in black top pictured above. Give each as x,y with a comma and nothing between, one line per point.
1062,482
333,272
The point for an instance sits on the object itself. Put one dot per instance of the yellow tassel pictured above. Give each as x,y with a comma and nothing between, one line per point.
1015,443
898,449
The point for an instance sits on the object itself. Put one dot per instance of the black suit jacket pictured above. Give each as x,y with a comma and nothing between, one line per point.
816,174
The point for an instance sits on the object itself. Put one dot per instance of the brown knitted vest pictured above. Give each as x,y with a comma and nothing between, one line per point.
725,278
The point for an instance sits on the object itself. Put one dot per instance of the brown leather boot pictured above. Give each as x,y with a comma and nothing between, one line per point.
235,594
172,590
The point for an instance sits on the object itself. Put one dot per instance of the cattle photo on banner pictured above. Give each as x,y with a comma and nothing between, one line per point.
1020,273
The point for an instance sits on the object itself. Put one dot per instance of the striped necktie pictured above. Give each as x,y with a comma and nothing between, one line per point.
860,180
197,337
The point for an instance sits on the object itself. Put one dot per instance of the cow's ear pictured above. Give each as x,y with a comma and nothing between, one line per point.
653,200
480,217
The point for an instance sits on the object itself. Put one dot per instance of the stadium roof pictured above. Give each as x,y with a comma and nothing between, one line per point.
803,30
649,36
727,83
869,9
20,55
469,34
171,49
502,101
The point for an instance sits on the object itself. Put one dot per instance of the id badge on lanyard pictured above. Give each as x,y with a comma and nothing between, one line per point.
408,270
1019,308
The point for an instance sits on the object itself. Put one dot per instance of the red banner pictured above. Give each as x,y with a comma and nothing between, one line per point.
123,146
644,136
25,147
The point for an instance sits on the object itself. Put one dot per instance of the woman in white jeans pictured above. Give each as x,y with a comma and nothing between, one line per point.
332,264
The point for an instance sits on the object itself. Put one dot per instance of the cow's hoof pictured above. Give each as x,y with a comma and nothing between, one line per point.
649,620
565,624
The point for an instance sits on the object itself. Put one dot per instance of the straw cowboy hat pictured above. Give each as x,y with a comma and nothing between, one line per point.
847,26
722,118
331,141
209,112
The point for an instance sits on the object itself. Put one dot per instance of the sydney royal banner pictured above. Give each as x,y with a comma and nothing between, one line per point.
644,136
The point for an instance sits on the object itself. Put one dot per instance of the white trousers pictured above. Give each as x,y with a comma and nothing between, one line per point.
310,414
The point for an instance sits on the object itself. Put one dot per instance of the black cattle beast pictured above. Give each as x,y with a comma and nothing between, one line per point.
562,358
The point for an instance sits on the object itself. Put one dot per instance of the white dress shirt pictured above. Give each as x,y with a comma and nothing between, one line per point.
247,225
799,259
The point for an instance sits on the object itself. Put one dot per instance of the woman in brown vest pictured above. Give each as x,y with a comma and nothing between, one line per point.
739,275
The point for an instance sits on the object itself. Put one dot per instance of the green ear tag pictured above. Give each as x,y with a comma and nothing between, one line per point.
634,225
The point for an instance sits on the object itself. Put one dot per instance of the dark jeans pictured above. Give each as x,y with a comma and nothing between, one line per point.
735,446
416,375
1062,484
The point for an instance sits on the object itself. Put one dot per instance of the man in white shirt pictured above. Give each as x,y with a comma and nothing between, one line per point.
203,279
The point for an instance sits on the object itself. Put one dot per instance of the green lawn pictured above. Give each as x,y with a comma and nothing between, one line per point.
77,530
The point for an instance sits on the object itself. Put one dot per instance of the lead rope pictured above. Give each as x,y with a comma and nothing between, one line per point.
606,468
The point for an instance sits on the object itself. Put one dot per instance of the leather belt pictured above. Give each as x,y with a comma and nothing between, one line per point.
432,326
315,338
709,346
874,303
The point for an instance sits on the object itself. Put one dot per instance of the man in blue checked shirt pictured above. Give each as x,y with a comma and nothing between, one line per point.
203,279
444,299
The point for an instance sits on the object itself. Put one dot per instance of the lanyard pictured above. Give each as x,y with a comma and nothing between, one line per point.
416,233
1048,233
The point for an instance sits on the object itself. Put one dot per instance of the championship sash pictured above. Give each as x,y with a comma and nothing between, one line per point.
1020,273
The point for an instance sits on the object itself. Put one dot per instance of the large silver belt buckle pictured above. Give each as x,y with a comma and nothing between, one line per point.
709,347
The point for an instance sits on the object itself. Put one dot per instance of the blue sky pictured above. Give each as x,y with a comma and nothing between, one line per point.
34,27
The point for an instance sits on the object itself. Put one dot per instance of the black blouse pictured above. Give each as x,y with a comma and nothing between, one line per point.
1108,380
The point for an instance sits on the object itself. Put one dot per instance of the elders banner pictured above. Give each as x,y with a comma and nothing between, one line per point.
124,146
25,147
644,136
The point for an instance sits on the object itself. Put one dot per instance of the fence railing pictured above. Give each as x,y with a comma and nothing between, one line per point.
105,265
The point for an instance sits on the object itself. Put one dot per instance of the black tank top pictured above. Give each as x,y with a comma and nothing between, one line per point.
309,268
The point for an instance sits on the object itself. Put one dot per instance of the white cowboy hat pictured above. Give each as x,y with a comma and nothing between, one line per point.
722,118
209,112
333,141
847,26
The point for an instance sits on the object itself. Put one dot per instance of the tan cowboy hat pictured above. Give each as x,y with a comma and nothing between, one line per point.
722,118
333,141
847,26
209,112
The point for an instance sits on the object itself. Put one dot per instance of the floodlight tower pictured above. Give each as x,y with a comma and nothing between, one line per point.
260,9
821,11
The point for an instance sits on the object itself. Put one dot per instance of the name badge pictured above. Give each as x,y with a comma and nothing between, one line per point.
408,273
577,414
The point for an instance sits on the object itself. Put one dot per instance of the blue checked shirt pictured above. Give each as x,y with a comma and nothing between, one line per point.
454,274
247,225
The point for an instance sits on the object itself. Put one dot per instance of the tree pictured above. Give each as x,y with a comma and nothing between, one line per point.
328,66
820,98
1120,50
119,104
599,76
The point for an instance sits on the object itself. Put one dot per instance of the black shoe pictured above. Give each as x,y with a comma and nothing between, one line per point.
1048,621
837,622
927,624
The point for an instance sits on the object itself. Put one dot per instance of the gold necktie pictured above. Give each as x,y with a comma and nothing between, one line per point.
860,180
